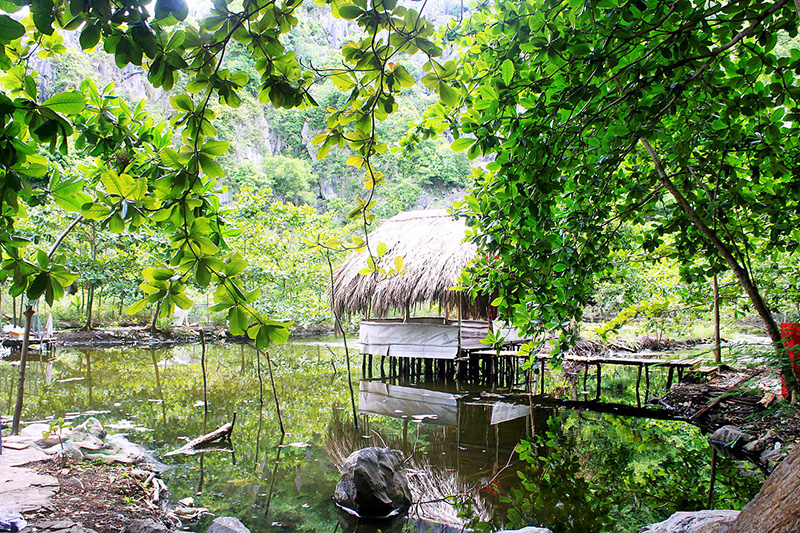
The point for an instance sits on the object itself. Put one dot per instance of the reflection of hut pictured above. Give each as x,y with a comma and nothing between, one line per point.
431,245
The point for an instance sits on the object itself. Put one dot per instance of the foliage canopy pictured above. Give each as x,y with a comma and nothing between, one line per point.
594,114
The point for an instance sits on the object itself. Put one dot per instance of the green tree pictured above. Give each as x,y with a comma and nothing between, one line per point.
594,114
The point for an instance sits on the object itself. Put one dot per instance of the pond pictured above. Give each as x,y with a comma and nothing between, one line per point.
584,469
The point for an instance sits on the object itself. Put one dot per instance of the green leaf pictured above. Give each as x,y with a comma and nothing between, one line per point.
10,29
38,286
182,102
69,103
90,36
462,143
211,167
350,12
215,148
237,319
202,274
278,333
448,95
507,70
95,211
136,307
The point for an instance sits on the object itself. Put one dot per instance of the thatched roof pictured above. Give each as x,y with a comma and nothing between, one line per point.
433,251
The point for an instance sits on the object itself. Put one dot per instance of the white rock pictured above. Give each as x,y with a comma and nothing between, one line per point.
529,529
697,522
227,524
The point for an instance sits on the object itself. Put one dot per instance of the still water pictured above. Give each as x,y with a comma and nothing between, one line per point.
583,470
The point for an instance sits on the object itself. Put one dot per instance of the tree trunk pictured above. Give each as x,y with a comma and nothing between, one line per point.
89,306
738,270
155,318
21,380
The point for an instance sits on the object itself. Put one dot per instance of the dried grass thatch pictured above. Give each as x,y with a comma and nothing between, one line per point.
431,245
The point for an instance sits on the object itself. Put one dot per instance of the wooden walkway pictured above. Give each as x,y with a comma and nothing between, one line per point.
673,366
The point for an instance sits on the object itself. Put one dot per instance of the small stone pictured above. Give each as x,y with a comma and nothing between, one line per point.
91,426
756,447
145,526
227,524
55,525
71,454
772,457
73,483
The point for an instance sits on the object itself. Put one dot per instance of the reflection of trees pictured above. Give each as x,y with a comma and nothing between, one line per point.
603,472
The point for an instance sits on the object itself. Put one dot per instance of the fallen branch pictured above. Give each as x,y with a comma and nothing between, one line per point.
722,396
222,433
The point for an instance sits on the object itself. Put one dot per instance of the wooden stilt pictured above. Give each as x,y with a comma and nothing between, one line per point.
585,375
597,392
669,377
638,382
369,365
646,383
541,372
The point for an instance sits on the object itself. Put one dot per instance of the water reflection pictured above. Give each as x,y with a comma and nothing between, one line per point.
460,441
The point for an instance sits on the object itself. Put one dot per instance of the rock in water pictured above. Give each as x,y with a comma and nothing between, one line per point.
227,524
373,484
729,440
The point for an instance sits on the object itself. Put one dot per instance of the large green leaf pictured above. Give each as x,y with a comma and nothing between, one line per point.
68,103
10,29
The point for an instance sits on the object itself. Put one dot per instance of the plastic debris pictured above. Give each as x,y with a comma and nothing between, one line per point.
11,520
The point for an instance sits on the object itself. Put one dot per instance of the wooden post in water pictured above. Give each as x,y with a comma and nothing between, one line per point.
541,376
597,392
638,383
670,374
717,340
203,368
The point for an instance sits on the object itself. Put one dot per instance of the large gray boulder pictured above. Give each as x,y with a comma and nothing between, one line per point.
227,524
729,440
373,484
697,522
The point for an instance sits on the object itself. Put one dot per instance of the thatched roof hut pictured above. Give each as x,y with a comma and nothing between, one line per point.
434,253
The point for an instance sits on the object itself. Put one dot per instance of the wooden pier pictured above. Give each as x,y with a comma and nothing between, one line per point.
39,349
643,365
505,369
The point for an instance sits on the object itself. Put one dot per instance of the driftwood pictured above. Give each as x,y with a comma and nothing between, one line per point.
222,433
721,397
